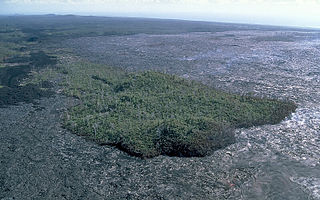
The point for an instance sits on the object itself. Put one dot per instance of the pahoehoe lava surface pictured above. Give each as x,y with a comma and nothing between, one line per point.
40,160
277,64
45,161
10,77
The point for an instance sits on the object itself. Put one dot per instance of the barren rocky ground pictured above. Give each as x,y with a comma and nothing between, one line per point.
41,160
277,64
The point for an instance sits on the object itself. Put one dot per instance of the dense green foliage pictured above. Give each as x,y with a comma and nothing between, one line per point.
150,113
145,114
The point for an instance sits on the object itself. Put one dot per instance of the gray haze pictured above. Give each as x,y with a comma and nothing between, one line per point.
305,13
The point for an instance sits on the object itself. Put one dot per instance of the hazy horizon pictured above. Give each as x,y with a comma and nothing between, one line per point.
301,13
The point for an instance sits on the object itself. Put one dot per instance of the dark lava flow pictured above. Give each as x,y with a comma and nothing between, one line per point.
40,160
280,161
12,93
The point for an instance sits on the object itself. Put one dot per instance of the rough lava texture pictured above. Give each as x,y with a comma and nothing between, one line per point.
40,160
278,64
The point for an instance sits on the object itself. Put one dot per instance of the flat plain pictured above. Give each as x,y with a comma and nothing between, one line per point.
40,159
277,64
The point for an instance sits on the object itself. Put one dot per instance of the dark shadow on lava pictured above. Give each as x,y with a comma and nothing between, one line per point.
11,92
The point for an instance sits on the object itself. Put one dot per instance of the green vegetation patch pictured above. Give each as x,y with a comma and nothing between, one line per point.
150,113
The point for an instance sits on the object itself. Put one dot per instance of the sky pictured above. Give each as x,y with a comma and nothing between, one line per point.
303,13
